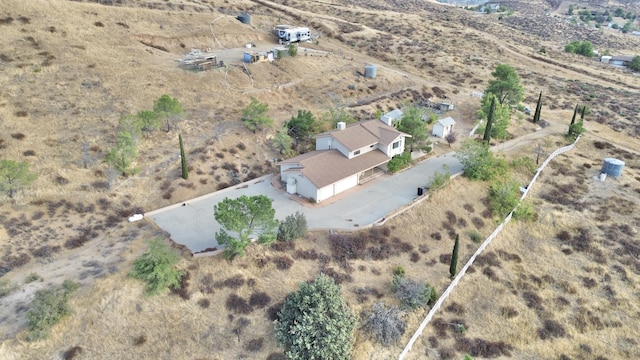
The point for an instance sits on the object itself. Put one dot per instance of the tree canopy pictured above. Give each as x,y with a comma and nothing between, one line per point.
157,268
501,116
254,115
122,155
14,175
302,126
316,323
168,108
634,64
245,216
506,85
412,124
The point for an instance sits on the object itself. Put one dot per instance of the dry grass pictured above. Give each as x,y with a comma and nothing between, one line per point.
72,74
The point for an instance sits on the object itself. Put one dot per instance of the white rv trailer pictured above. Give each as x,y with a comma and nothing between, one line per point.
288,34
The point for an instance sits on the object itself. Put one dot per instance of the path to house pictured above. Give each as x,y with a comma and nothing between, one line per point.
192,223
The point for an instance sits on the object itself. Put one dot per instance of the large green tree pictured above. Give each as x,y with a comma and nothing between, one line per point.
169,109
282,142
14,175
478,161
506,85
301,127
316,323
149,121
122,155
412,123
245,216
501,116
254,115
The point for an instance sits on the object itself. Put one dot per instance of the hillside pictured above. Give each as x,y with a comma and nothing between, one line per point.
72,69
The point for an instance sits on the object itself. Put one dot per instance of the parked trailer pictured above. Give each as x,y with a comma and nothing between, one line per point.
288,34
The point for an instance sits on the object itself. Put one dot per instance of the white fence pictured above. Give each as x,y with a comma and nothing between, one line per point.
486,243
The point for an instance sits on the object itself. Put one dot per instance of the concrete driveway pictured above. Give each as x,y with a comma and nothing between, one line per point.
192,223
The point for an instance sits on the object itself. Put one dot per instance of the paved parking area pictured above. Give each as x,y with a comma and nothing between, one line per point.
192,223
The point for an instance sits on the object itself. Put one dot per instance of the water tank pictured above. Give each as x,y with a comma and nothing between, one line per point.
244,18
370,71
246,57
291,186
612,167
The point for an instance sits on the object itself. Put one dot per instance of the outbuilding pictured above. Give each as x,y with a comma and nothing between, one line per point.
443,127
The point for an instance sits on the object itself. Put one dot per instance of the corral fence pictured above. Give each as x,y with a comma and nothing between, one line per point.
484,245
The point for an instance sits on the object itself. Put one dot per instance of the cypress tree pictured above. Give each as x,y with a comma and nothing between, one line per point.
536,116
575,111
454,258
584,109
487,131
183,159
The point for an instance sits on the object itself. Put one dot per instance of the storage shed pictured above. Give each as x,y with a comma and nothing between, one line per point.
443,127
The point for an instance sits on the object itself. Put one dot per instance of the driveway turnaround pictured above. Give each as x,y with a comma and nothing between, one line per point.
192,223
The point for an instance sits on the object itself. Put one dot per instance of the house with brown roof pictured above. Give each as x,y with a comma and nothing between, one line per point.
343,158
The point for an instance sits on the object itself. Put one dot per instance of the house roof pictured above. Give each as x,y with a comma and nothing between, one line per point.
325,167
446,121
365,133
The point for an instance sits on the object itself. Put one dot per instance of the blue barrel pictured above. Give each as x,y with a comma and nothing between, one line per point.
370,71
612,167
246,57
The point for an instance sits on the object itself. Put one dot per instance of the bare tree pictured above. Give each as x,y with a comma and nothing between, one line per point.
451,138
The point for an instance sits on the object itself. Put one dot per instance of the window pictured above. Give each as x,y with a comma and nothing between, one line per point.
357,152
396,144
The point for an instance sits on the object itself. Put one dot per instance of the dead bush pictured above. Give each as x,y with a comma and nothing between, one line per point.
283,262
254,345
259,299
183,289
436,236
307,254
233,282
532,300
139,340
385,325
551,329
18,136
71,352
509,312
238,305
455,308
204,303
272,311
276,356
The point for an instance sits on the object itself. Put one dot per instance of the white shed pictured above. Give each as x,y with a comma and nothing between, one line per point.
443,127
391,117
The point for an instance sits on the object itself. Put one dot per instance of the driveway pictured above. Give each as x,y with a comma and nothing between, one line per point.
192,223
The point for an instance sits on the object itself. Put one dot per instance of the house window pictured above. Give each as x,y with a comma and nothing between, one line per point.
396,144
357,152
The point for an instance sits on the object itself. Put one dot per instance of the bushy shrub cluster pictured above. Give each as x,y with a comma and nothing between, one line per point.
399,162
293,227
413,294
156,267
384,324
47,308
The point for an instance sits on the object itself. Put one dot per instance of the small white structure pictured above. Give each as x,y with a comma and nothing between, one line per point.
136,217
392,117
288,34
443,127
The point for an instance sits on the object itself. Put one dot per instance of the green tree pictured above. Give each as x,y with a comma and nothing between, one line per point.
570,12
411,123
584,48
149,121
302,126
634,64
254,115
478,161
536,116
335,115
501,117
504,195
628,26
169,109
183,159
14,175
122,155
506,85
316,323
245,216
453,267
282,142
157,268
292,49
487,131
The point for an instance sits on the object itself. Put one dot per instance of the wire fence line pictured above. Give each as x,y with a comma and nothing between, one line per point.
479,251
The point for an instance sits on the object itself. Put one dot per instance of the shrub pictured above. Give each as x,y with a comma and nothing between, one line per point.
139,340
238,305
399,162
283,262
71,352
413,294
293,227
503,196
254,345
478,161
32,277
204,303
439,180
47,308
157,268
475,236
7,287
399,271
525,212
316,323
384,324
259,299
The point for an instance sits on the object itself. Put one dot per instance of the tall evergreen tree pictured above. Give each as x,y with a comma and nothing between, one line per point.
183,159
453,267
573,119
536,116
487,130
584,109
